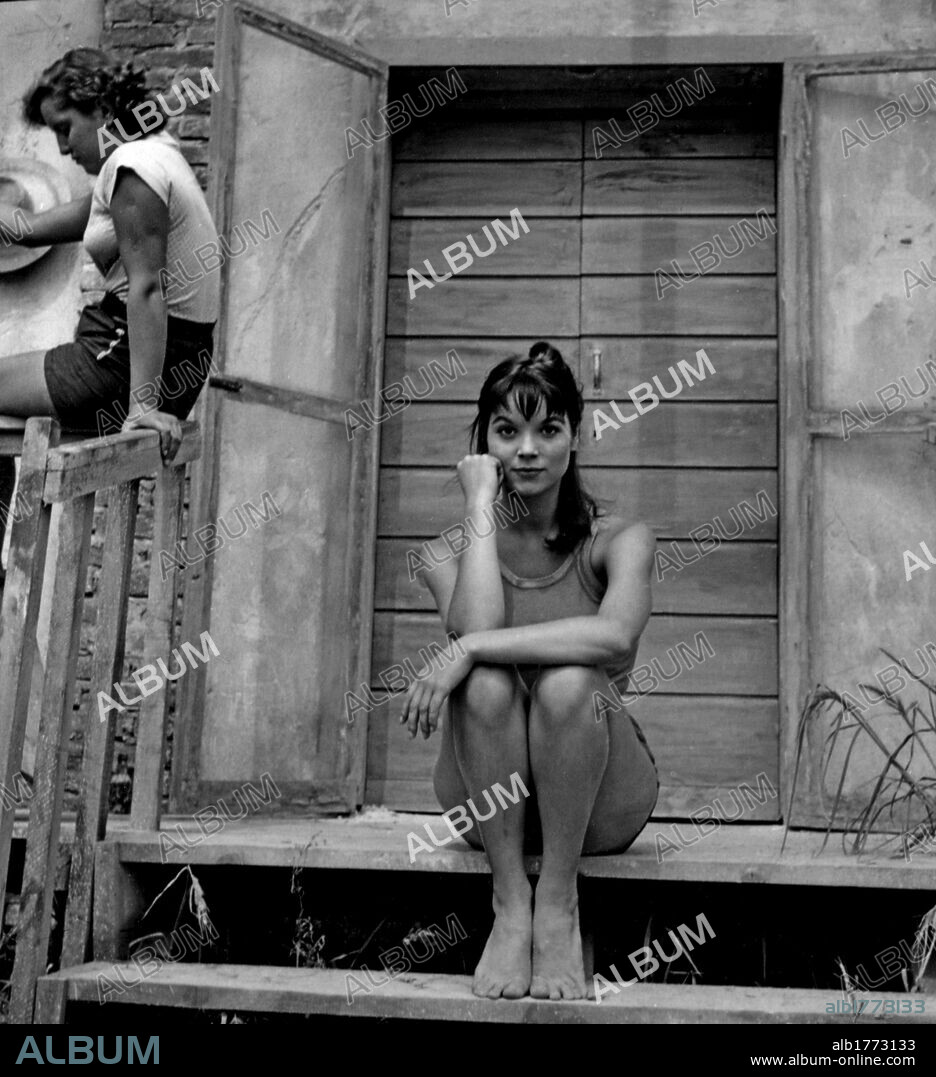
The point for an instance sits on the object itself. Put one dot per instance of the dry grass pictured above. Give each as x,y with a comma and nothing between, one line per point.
898,794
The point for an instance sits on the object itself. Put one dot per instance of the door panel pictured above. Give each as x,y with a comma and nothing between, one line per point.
590,287
298,342
859,209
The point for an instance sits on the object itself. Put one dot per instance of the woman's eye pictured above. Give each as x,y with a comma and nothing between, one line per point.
504,431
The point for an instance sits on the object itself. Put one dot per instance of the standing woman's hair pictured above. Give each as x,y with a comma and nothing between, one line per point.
86,79
542,376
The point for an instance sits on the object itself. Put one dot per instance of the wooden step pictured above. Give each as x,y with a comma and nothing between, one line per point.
436,997
377,841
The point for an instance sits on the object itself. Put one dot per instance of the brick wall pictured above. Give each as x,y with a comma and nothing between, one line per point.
174,43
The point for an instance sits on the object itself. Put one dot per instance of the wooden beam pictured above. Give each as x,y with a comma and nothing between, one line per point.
150,756
45,810
22,593
79,469
444,997
106,670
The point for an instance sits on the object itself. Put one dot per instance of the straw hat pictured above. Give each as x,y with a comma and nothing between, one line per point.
36,186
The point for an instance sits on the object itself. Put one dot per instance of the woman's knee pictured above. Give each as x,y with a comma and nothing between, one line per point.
561,691
488,692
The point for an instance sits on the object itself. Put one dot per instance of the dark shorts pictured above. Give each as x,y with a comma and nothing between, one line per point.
89,379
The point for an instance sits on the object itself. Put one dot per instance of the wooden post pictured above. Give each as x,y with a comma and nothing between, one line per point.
42,838
146,805
21,597
106,669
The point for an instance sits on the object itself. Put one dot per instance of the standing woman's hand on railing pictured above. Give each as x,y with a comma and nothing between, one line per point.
167,426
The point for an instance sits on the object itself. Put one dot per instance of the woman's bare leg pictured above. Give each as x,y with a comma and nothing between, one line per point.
568,758
23,390
485,742
23,393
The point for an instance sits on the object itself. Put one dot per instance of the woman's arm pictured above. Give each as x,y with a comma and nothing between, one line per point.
610,636
64,224
141,223
477,600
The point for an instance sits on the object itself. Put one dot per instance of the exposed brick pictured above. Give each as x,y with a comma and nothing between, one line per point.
127,11
142,36
196,153
193,126
178,10
203,32
188,61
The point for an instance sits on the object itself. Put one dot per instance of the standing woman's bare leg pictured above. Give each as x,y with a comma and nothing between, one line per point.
488,723
568,758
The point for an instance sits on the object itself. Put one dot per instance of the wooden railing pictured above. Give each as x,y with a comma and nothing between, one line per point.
71,474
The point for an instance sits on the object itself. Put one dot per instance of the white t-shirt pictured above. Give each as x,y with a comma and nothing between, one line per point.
158,161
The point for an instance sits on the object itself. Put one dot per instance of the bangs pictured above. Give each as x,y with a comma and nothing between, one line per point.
526,392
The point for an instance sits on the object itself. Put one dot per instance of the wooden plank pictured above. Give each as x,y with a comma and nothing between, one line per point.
489,140
98,749
680,185
685,435
746,367
551,248
486,189
46,805
445,997
407,356
542,307
744,663
739,306
377,842
119,900
736,578
150,756
699,132
22,593
645,244
79,469
673,434
673,501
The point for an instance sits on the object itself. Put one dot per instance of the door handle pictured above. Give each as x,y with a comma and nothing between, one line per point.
596,368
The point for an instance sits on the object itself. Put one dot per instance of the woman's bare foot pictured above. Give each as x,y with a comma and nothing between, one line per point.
504,968
558,969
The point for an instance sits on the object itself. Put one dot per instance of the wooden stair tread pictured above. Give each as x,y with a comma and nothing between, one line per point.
744,853
435,996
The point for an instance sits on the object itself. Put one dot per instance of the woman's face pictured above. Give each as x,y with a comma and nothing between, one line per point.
535,452
77,134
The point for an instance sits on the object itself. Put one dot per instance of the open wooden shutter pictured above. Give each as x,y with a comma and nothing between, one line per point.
299,341
859,193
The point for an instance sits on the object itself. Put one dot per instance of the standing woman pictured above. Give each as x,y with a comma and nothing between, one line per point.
549,611
144,351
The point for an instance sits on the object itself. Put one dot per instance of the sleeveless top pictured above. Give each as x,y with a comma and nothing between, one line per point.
571,590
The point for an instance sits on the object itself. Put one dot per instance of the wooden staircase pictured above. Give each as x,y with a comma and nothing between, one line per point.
116,866
377,846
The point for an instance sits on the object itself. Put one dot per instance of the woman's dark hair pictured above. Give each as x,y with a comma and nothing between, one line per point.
86,79
542,376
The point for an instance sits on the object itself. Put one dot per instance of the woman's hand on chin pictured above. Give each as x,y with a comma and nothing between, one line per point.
422,704
480,477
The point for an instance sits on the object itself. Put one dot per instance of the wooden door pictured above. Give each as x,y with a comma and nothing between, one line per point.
583,278
288,601
859,488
